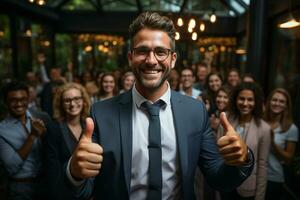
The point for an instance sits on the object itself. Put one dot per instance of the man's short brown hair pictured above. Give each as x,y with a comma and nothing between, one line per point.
155,21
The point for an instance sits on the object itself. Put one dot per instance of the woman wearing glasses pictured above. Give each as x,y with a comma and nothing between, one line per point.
71,106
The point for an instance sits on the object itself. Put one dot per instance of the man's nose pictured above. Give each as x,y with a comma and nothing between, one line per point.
151,58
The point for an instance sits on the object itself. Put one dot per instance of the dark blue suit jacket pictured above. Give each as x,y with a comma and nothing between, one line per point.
195,140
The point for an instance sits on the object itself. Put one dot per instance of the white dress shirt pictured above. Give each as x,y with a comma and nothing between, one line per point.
140,155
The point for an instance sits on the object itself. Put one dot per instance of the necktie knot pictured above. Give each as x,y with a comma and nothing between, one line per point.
153,109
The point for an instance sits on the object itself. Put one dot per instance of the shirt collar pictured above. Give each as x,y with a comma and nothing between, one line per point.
138,99
16,120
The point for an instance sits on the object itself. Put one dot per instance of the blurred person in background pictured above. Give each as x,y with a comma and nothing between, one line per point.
107,87
49,89
233,78
245,114
214,81
71,107
201,74
222,105
187,80
248,78
278,114
89,83
173,80
127,81
21,135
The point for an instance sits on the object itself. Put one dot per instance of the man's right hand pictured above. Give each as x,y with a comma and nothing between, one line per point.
87,157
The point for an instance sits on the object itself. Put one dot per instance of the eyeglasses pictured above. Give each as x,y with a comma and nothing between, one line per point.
160,53
76,100
15,101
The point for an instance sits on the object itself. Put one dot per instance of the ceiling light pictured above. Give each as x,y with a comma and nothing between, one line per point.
177,36
202,27
31,1
192,23
194,36
190,29
41,2
180,21
213,18
291,23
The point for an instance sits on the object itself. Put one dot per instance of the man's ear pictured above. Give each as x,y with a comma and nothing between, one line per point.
174,58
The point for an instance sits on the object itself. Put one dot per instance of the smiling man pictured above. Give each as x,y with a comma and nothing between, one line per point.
147,143
20,142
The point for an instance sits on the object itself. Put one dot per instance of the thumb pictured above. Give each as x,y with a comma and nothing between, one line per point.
89,129
226,124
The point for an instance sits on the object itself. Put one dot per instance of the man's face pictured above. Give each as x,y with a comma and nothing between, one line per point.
187,78
202,73
150,70
233,78
17,102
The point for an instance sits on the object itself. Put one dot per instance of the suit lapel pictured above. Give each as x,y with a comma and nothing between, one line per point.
126,134
179,123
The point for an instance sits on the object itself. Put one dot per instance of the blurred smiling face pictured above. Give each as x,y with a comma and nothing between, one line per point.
108,84
245,102
214,82
72,102
17,102
222,100
278,103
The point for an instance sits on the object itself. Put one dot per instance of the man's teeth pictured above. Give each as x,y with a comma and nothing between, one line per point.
151,71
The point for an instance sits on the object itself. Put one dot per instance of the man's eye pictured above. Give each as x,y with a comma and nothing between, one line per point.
142,51
160,52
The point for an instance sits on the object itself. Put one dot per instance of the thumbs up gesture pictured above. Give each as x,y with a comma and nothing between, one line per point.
232,148
87,157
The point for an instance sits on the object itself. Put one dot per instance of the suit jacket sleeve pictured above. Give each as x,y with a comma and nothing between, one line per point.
220,176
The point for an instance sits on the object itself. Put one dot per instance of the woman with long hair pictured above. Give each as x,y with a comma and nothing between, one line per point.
245,114
71,106
107,87
278,114
213,83
127,81
222,104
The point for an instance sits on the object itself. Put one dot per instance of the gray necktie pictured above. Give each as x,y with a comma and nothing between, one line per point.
154,148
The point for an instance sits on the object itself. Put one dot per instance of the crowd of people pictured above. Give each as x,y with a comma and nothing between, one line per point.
46,121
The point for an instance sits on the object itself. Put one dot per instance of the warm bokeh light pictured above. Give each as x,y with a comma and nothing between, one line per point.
180,21
177,36
28,33
240,51
202,27
194,36
41,2
190,30
88,48
192,23
213,18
